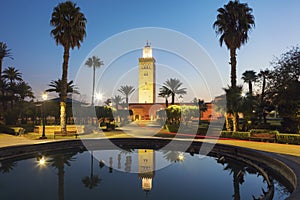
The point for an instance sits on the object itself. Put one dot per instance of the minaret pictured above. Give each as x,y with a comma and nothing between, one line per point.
147,76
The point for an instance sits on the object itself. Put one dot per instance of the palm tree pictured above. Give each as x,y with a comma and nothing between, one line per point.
174,85
23,90
69,31
164,92
12,74
4,53
233,104
233,23
202,107
94,62
126,91
56,86
249,76
264,75
117,99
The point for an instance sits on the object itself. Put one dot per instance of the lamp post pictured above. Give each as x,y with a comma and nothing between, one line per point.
44,97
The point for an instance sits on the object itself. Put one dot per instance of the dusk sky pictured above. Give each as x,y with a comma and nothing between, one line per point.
26,29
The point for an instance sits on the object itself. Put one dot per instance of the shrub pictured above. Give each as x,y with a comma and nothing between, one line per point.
263,131
173,128
5,129
288,138
235,135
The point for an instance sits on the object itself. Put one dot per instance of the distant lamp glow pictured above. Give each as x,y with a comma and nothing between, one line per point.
44,96
99,96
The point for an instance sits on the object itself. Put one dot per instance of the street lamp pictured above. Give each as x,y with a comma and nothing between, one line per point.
44,97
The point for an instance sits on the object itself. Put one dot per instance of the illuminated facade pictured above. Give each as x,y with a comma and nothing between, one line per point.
146,89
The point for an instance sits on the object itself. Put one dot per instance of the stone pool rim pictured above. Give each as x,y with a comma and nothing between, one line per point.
283,165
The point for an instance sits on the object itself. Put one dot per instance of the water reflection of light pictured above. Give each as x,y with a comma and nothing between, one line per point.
180,157
41,161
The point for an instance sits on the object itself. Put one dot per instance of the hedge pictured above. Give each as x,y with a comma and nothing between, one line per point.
263,131
288,138
235,135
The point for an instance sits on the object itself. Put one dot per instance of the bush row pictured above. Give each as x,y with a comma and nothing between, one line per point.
280,137
264,131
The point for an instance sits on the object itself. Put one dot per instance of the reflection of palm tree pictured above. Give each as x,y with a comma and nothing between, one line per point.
173,156
238,171
173,85
6,167
91,181
94,62
59,161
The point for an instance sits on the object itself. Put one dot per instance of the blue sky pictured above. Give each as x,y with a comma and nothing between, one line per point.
26,30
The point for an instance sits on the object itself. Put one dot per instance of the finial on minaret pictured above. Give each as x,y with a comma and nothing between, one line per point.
147,51
147,44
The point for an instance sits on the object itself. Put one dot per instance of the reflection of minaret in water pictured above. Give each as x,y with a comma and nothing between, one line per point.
128,164
146,170
119,161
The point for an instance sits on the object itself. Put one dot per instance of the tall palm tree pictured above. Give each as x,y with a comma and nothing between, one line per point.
264,75
24,90
56,86
164,92
233,23
4,53
249,76
174,85
69,31
117,99
202,107
126,91
94,62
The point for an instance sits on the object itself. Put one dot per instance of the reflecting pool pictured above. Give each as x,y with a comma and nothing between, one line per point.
129,174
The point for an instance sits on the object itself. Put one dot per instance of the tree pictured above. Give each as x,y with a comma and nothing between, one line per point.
126,91
69,31
24,90
164,92
4,53
202,107
233,23
249,76
284,87
94,62
234,104
264,76
117,99
173,85
56,86
12,74
92,180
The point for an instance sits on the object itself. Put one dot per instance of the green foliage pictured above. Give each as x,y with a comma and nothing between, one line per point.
235,135
173,128
263,131
288,138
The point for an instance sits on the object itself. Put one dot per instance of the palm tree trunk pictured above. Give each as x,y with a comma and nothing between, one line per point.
0,67
226,121
63,99
250,88
167,103
173,98
93,92
233,66
235,120
236,186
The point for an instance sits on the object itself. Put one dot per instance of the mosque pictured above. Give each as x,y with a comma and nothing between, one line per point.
147,106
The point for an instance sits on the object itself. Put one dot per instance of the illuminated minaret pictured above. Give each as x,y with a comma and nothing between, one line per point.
146,163
147,76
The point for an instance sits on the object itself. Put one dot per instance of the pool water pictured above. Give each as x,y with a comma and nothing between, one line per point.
114,174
